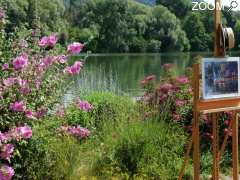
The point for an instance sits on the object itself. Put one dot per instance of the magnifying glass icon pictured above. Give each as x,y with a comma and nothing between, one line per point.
233,5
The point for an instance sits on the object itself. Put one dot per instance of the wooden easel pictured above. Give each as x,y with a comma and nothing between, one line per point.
213,107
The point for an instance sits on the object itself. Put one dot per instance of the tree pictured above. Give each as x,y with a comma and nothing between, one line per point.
196,33
165,27
179,7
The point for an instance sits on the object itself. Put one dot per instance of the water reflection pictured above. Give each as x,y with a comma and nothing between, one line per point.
122,73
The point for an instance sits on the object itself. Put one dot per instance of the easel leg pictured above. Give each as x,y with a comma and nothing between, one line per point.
196,151
235,146
215,147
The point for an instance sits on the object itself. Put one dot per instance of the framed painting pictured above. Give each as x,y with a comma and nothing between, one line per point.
220,77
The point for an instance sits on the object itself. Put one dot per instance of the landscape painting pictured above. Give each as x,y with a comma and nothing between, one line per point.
220,78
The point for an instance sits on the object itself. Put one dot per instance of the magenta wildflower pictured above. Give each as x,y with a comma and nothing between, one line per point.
18,106
84,105
6,172
78,131
2,14
29,114
75,48
165,88
20,62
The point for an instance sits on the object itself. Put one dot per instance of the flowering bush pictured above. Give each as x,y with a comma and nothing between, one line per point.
32,77
172,100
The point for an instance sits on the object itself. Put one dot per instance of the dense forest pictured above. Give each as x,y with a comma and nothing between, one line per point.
120,26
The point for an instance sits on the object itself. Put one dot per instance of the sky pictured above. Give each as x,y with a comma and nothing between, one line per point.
225,2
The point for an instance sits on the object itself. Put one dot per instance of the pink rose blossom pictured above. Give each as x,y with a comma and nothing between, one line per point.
75,48
29,114
18,106
20,62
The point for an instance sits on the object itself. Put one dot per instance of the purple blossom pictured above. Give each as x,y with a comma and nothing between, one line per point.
29,114
18,106
182,80
41,113
20,62
75,48
6,172
84,105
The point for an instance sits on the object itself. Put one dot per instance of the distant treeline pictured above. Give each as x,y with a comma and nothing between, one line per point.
121,25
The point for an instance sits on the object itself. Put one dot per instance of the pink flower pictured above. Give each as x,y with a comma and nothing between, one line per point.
20,62
182,80
2,14
18,106
52,40
3,137
9,81
180,102
166,87
62,59
84,105
5,66
168,66
6,151
75,48
29,114
74,69
77,132
6,172
43,41
147,80
25,132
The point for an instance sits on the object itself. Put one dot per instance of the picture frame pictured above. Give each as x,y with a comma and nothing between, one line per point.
220,77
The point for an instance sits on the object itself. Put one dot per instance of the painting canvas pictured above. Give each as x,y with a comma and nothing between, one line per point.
220,77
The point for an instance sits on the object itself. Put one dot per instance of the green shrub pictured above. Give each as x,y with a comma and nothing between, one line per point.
141,150
108,108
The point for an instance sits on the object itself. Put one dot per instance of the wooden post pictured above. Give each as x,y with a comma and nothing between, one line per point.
196,138
235,146
215,147
218,51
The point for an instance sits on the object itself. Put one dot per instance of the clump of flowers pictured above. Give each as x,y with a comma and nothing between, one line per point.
75,47
84,105
31,81
172,100
75,131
